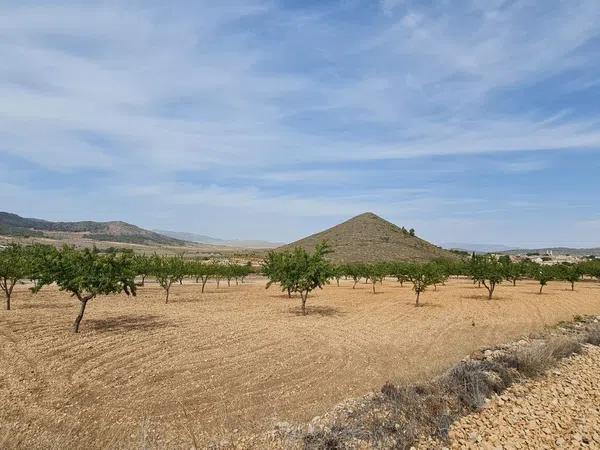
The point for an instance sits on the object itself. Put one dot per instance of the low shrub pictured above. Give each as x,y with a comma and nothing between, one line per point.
474,381
564,347
534,360
592,336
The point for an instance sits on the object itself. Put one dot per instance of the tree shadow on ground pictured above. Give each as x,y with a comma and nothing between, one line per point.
484,297
128,323
423,304
44,305
324,311
284,296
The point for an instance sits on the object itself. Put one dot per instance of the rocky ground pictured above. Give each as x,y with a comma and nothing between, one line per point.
559,410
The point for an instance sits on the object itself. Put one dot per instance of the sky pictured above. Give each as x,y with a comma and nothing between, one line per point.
473,121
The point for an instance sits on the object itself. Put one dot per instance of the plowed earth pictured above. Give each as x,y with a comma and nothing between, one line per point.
234,360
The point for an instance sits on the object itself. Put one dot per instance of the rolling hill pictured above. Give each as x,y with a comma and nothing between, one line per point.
116,231
369,238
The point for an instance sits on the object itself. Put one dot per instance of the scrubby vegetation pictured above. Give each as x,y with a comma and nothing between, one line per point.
399,415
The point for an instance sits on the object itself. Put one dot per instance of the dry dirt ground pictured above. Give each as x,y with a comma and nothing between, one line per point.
233,361
560,410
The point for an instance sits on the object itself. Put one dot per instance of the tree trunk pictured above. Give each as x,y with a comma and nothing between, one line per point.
143,279
515,282
572,285
304,296
204,280
289,293
541,287
338,282
373,287
7,287
228,282
168,289
218,282
83,304
490,289
418,295
354,285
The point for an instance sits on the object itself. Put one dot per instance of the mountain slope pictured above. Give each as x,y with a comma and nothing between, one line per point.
369,238
116,231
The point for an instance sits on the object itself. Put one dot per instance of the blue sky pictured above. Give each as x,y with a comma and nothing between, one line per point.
471,121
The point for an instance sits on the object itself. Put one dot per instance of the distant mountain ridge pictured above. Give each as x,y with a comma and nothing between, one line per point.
115,231
595,251
369,238
504,249
477,248
203,239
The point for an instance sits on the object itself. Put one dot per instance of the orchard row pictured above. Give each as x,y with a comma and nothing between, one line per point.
88,273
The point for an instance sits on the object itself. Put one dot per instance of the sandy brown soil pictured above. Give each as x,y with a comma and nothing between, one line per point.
235,360
560,410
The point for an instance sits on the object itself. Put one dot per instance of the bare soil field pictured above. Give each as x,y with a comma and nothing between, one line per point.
235,360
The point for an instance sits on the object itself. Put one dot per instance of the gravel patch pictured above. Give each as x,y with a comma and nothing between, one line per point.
559,410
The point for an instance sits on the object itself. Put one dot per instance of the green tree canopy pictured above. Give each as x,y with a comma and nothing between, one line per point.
86,273
14,266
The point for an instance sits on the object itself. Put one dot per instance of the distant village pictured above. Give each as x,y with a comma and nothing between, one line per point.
550,258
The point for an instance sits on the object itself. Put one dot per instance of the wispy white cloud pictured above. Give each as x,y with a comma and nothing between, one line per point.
259,93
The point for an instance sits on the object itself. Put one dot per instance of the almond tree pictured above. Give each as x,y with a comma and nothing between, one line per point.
571,273
354,271
421,276
298,270
168,270
487,270
514,271
592,269
85,274
337,273
229,272
13,267
279,268
38,256
201,271
400,271
142,266
244,270
218,272
376,273
313,271
543,274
